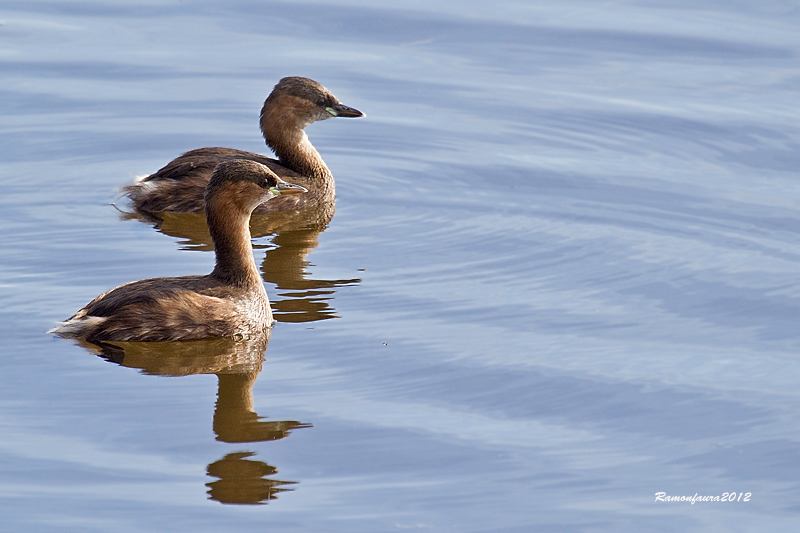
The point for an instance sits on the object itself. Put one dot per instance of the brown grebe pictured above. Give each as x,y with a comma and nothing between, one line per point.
229,302
292,105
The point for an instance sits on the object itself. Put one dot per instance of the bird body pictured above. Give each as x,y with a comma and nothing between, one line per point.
230,301
293,104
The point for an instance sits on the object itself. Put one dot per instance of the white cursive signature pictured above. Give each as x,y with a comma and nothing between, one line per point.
726,497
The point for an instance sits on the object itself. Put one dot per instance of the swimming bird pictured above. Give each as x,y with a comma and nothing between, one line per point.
293,104
229,302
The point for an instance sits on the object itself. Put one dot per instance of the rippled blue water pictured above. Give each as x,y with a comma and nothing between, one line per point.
563,274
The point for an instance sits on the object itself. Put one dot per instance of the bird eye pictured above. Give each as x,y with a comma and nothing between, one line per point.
321,102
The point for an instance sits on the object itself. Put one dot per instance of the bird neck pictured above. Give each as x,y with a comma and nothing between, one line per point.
300,155
230,231
285,135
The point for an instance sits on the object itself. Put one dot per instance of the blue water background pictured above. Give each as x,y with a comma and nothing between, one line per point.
571,236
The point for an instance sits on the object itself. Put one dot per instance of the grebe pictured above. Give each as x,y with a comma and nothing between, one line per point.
292,105
229,302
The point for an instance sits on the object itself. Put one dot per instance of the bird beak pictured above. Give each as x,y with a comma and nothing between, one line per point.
341,110
284,187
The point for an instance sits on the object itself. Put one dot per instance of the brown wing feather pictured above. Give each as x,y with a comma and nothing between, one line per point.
180,185
168,309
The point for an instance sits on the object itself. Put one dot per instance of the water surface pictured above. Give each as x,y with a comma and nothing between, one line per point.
563,273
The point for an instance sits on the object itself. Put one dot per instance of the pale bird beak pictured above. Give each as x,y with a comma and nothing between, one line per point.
341,110
284,187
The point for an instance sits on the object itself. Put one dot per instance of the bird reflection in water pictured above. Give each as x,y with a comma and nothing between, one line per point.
294,297
243,481
236,363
